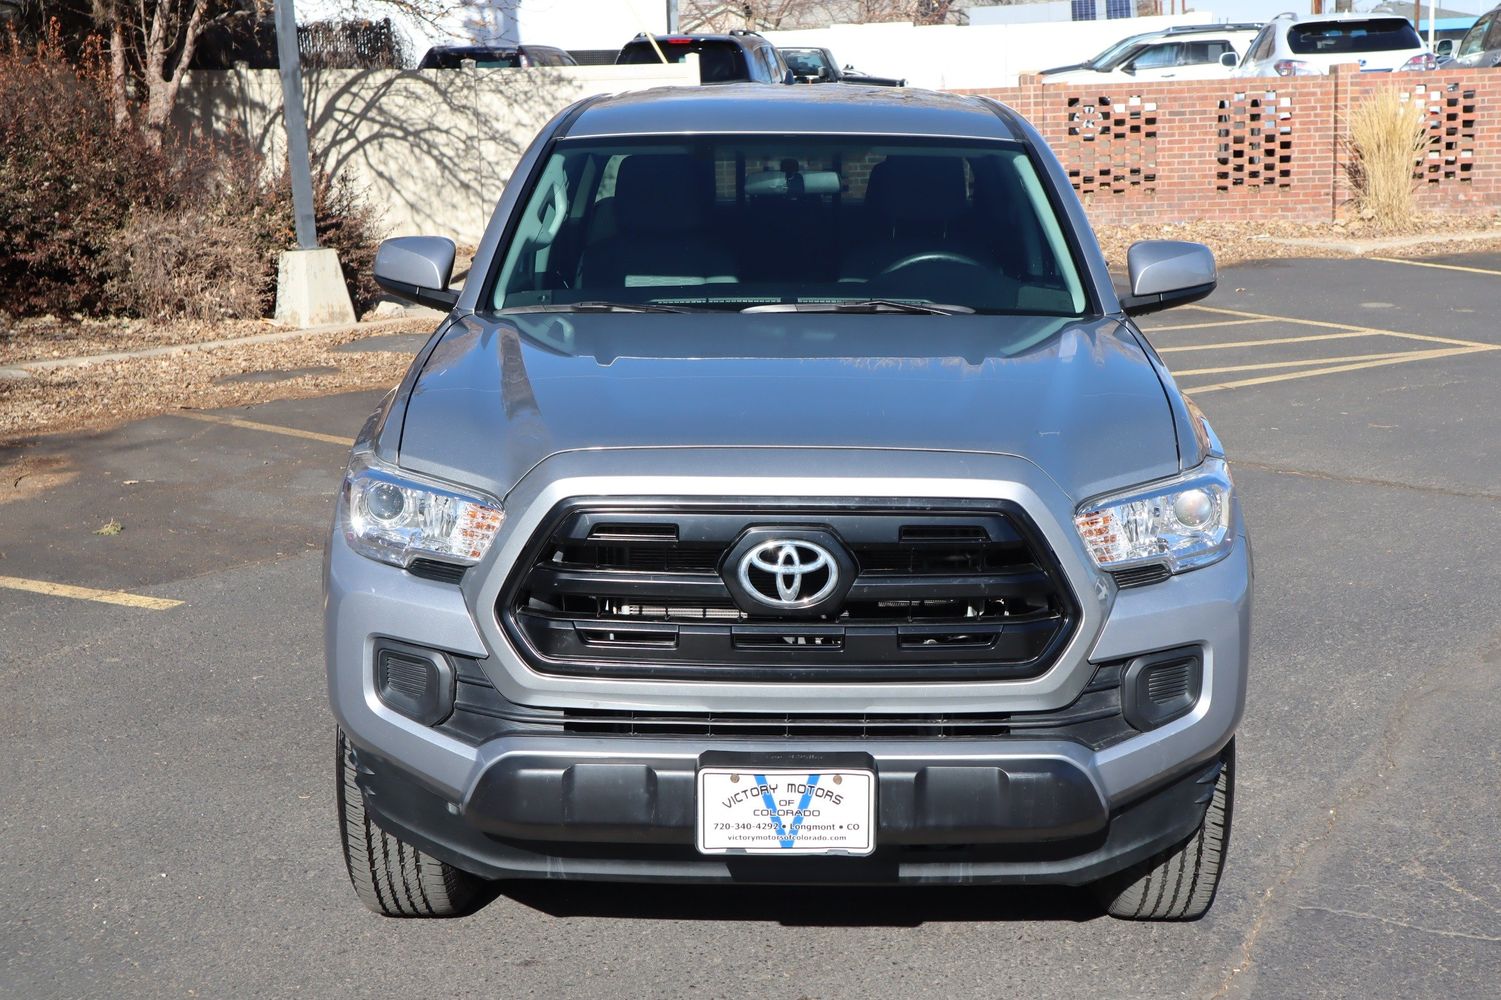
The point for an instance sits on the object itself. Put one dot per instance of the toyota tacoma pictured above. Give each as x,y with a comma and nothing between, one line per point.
788,496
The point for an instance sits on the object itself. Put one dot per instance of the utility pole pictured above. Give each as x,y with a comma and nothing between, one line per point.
310,289
294,117
672,17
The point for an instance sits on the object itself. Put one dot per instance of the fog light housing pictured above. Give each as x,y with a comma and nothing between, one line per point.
1160,687
418,683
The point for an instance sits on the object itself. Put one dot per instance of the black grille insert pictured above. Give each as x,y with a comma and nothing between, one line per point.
1093,719
941,591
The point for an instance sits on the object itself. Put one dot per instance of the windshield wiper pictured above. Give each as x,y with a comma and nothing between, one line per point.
865,306
599,305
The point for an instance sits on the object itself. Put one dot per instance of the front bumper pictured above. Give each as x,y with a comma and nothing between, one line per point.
1002,817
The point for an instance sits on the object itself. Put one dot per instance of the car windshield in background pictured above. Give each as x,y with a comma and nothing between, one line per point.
736,222
805,62
1352,37
1116,53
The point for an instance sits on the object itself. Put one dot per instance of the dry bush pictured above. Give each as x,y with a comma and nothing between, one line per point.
97,220
187,265
1388,136
68,179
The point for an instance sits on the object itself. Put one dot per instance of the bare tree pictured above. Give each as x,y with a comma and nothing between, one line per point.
151,44
756,15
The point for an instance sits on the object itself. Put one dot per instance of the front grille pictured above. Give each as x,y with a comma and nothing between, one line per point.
1093,719
939,592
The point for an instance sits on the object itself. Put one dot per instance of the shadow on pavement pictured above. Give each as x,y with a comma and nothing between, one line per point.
808,905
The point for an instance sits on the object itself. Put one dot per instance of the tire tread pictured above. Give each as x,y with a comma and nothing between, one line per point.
1143,892
390,876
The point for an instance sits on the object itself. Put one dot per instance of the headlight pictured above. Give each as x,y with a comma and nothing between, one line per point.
397,517
1183,523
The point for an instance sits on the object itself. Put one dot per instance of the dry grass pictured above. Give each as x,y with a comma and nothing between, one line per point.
1388,137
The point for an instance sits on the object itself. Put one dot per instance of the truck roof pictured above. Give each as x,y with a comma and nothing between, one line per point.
762,108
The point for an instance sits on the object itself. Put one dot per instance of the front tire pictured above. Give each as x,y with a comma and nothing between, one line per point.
1180,883
390,876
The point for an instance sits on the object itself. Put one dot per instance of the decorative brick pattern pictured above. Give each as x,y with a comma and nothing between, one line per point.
1174,151
1116,141
1255,140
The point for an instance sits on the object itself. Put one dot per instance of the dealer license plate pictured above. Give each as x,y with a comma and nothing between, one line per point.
785,811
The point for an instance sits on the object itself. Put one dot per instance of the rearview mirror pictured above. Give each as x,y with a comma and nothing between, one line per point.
418,269
1229,60
1167,273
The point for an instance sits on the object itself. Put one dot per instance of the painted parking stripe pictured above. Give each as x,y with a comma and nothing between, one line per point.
252,425
1348,327
1404,358
1441,267
1304,363
1201,326
89,594
1311,338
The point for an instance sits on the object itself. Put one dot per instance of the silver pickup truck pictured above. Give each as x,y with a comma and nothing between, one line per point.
788,497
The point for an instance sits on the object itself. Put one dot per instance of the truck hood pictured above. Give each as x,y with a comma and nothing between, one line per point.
1078,399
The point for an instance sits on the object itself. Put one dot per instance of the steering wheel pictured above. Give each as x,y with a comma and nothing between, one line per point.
930,257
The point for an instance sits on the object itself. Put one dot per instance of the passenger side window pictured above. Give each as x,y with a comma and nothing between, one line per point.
1157,57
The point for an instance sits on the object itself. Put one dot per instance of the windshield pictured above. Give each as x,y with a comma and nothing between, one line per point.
805,62
736,222
1113,55
1347,37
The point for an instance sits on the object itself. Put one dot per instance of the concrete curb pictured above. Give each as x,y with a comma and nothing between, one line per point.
25,369
1384,242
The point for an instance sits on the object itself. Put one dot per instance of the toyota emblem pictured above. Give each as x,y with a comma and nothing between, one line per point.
789,573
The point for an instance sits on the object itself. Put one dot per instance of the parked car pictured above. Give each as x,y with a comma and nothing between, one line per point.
788,497
1186,52
491,57
1290,45
1481,45
736,57
820,66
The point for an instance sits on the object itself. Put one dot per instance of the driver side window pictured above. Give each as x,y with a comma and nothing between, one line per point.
1474,39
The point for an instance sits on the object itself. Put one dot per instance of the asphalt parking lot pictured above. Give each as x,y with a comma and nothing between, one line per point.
168,821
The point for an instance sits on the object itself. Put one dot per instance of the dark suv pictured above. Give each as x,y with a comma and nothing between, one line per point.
738,57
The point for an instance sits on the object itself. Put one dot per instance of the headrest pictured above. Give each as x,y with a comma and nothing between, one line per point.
662,193
907,189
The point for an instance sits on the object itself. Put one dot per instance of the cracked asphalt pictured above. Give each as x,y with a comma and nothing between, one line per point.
167,807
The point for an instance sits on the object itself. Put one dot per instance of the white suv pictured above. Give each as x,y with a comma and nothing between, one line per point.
1193,52
1293,46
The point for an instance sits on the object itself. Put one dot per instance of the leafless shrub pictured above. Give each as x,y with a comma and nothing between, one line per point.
186,265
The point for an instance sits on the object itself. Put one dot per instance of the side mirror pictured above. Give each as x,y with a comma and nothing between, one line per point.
418,269
1167,273
790,77
1229,60
1444,48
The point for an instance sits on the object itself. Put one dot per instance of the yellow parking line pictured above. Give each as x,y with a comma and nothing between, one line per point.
1289,364
1201,326
88,594
251,425
1442,267
1349,327
1275,340
1288,376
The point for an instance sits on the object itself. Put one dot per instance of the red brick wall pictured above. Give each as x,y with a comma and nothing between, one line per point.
1174,151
